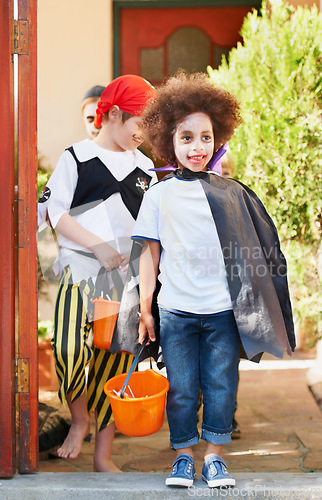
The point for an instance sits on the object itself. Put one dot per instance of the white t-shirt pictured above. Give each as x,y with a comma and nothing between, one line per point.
109,219
176,213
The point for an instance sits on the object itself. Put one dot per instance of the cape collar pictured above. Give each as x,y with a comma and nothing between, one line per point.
185,173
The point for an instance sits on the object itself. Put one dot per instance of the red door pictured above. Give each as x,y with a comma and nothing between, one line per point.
18,330
7,244
155,41
27,328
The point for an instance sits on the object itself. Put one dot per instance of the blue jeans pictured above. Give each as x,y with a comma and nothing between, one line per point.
200,349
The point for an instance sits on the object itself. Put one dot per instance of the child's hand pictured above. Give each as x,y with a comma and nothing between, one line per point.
125,259
107,255
146,326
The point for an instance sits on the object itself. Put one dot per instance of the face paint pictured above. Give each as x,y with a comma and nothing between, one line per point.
193,142
89,112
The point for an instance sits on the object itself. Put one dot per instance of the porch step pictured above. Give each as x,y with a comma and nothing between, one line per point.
138,486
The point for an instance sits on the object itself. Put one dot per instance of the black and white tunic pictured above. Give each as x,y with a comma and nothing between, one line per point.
102,190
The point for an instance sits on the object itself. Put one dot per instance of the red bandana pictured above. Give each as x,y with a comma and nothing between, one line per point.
130,93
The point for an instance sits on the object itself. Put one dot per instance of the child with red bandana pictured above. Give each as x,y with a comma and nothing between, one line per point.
92,201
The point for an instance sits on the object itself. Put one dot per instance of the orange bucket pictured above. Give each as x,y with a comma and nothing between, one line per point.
142,414
105,316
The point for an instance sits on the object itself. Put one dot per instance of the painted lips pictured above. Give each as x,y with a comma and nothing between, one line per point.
196,159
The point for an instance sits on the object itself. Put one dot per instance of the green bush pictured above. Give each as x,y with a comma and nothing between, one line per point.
42,176
276,74
45,329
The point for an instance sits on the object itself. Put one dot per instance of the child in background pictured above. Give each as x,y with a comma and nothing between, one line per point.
89,104
92,200
214,297
228,166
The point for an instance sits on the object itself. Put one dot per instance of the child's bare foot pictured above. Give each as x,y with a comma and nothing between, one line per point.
72,445
105,465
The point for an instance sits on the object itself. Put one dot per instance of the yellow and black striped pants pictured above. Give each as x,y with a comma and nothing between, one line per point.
73,322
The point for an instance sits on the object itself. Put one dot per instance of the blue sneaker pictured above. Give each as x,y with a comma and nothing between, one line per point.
215,472
183,472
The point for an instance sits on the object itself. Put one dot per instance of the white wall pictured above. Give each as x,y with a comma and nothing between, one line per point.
74,53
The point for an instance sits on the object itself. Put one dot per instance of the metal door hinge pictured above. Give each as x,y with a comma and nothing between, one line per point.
20,37
22,372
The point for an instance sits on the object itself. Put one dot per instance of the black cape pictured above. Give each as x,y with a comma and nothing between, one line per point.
256,273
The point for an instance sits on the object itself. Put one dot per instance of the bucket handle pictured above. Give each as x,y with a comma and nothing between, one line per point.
134,363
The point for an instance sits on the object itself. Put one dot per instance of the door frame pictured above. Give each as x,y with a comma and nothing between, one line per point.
7,247
18,263
27,264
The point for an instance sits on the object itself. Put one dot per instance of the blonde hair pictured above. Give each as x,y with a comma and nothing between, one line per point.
89,100
228,164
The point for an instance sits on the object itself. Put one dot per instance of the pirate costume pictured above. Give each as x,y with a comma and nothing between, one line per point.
102,190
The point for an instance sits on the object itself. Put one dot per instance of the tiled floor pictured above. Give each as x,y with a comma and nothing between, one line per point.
280,421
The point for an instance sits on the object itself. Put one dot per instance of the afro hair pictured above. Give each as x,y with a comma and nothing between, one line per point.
181,96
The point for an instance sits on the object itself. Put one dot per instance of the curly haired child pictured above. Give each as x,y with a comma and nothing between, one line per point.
215,297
